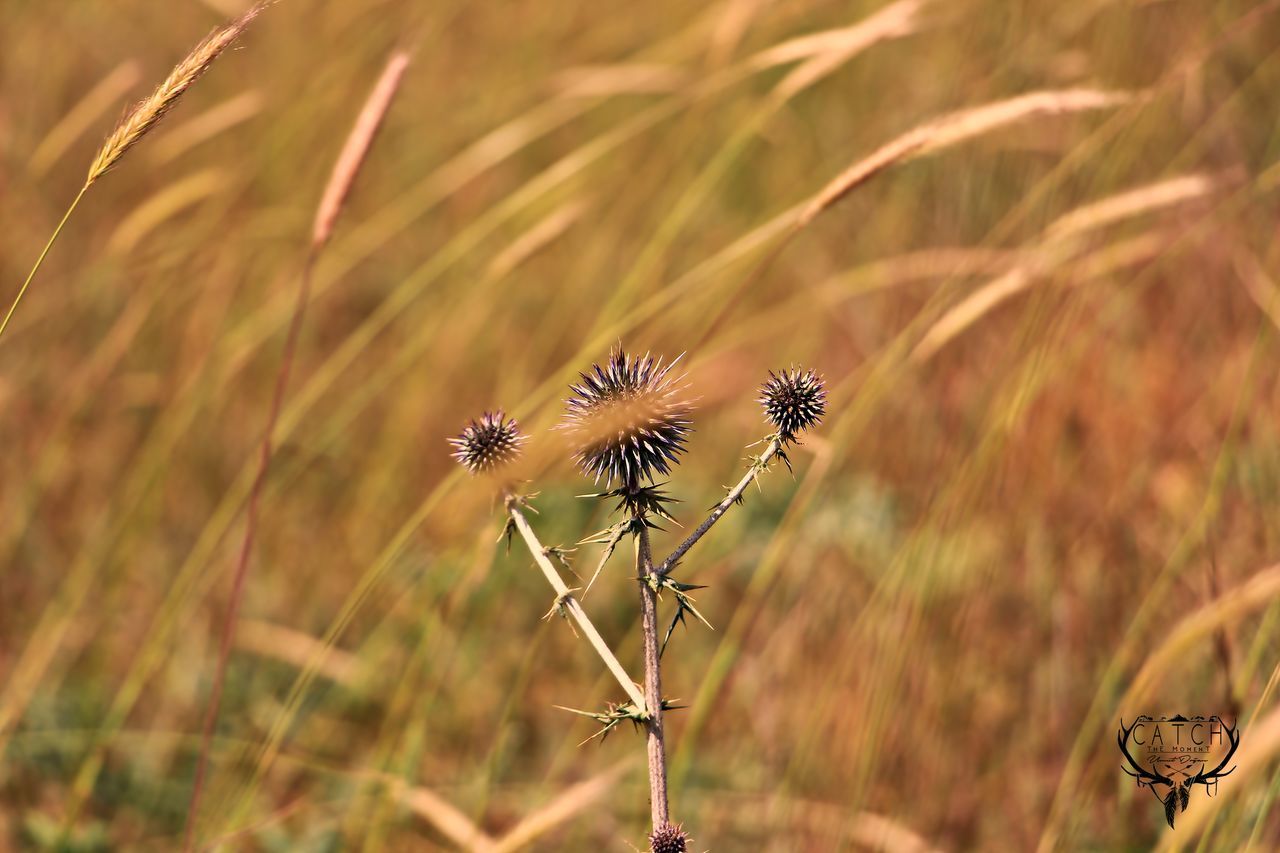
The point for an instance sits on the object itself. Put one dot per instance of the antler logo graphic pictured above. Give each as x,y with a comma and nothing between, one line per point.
1176,752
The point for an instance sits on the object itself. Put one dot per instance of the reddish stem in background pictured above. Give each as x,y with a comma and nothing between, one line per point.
246,549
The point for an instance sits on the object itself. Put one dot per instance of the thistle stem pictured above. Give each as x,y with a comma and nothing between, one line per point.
40,260
655,742
721,508
565,599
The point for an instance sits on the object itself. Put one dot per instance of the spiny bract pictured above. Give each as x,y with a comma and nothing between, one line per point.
793,400
488,442
669,839
628,419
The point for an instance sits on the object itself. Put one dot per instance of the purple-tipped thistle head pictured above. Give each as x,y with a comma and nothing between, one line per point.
488,442
793,401
628,419
669,839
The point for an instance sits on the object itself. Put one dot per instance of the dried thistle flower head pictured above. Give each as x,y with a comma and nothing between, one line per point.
628,419
487,443
793,401
669,839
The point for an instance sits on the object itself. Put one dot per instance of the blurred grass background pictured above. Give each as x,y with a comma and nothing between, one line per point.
925,639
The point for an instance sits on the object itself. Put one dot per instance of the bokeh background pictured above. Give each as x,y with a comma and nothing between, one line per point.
1045,496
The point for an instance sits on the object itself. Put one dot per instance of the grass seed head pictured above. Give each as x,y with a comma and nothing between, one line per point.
148,112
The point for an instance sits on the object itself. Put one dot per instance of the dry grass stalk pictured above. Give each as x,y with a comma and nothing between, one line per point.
443,815
955,128
357,147
148,112
1230,608
213,121
538,237
298,649
164,205
1128,204
1262,289
877,832
1263,738
569,803
348,166
825,52
786,816
450,822
839,40
1061,244
932,136
981,302
603,81
731,25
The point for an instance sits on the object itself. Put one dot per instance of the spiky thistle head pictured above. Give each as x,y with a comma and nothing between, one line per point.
487,442
793,401
628,419
669,839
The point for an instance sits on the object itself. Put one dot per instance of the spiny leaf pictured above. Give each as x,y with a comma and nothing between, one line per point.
681,587
609,537
560,607
608,719
561,555
640,501
683,605
616,713
524,501
508,530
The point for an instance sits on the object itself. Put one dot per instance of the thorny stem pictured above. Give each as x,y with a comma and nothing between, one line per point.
566,600
648,574
655,743
721,508
246,548
40,260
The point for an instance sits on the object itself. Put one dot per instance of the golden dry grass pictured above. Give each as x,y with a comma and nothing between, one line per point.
1030,246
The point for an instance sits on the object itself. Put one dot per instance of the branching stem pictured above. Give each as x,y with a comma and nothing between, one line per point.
735,494
565,599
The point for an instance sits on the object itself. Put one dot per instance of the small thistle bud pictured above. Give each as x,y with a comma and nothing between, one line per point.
670,839
628,419
487,443
793,401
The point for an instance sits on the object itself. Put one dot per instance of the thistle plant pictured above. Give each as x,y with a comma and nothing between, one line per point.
628,420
